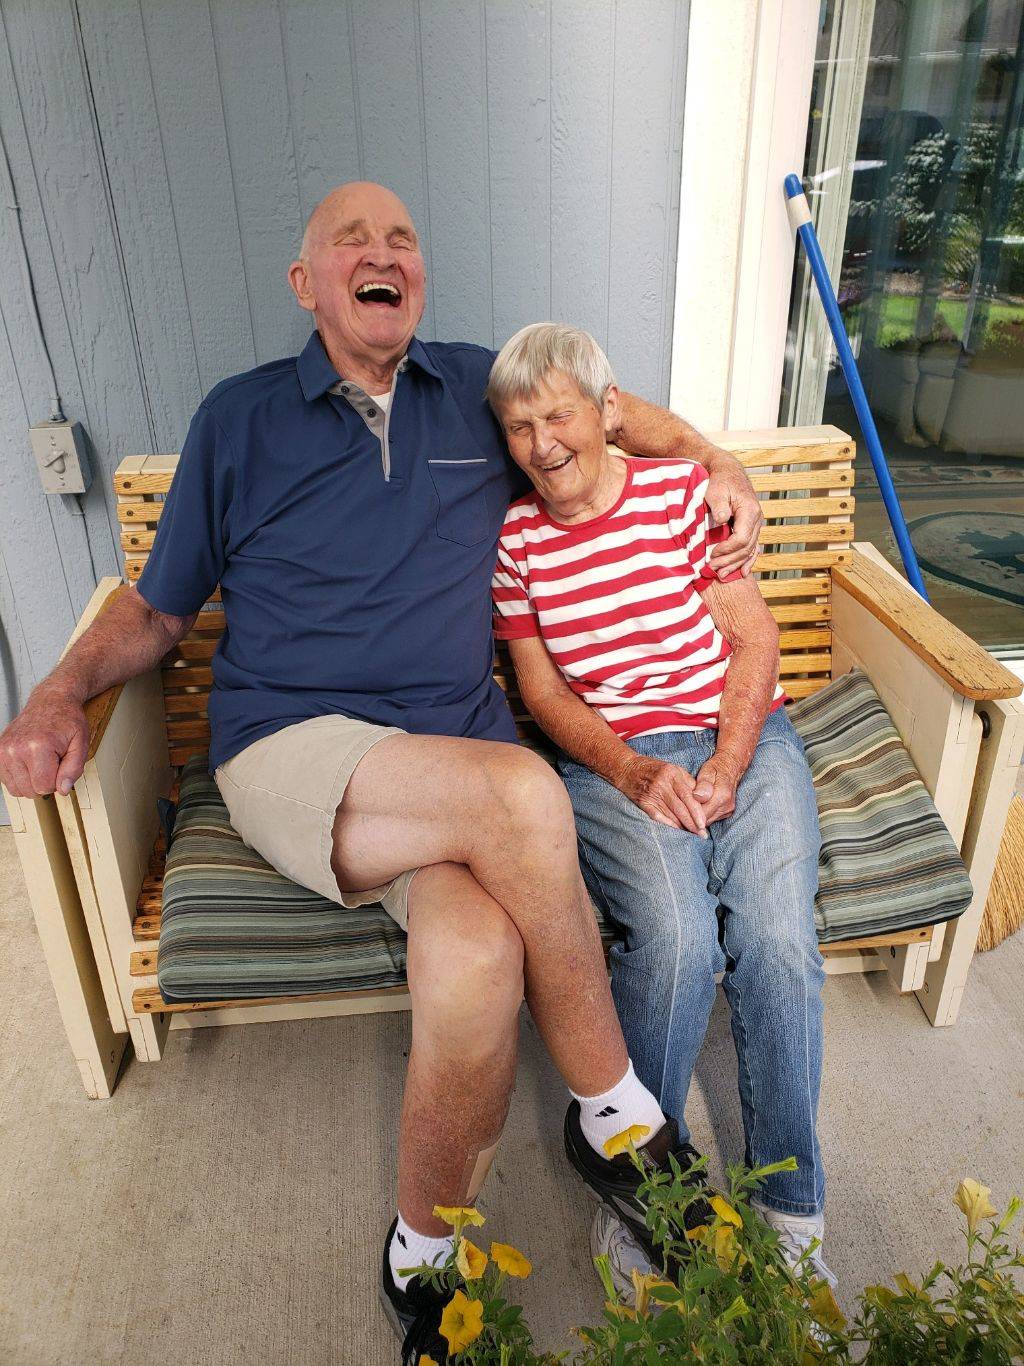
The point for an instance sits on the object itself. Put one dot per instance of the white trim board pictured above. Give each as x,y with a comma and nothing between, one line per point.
748,86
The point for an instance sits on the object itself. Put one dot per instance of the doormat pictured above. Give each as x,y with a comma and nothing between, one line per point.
979,550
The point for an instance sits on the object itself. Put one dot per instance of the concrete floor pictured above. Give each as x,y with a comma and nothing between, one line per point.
228,1204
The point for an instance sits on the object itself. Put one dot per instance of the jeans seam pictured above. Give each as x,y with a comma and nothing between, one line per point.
656,837
741,1058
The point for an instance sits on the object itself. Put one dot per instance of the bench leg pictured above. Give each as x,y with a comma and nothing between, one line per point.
998,766
57,910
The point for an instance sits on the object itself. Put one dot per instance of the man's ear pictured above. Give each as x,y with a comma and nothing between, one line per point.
298,278
612,413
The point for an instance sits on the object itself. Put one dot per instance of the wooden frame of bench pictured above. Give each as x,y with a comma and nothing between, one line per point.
93,861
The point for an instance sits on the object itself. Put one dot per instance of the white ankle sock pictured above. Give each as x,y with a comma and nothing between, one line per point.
628,1102
409,1248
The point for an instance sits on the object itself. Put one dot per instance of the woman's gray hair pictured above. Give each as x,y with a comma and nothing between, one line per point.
535,351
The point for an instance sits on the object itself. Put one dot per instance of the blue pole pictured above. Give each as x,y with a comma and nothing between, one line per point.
800,218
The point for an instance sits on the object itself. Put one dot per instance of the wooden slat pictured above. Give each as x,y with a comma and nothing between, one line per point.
194,646
147,1000
186,703
137,539
188,730
774,508
810,585
139,511
969,669
146,928
775,456
805,687
800,559
784,481
801,611
813,533
142,963
158,482
880,941
804,639
805,664
182,676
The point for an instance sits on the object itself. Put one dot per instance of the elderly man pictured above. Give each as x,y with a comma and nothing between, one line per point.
348,502
693,800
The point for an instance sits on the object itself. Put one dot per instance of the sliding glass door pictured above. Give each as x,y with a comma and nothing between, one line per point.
915,175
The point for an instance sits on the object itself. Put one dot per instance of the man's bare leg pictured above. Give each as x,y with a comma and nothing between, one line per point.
501,812
465,969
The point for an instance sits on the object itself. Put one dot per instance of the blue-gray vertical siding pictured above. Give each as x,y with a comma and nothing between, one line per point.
165,156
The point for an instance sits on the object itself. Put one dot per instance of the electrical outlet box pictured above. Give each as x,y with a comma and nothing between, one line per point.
59,449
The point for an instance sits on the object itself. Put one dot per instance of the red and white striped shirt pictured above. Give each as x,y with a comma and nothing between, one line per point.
617,599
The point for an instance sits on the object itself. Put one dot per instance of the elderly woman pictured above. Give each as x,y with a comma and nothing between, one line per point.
697,824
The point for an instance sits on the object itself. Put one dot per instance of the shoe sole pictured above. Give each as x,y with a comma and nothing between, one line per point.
391,1313
608,1196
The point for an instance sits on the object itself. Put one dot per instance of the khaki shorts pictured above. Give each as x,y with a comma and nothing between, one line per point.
282,794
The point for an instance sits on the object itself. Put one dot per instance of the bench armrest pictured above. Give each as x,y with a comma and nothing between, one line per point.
99,709
968,669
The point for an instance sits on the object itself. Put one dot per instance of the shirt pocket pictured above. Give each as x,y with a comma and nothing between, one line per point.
461,488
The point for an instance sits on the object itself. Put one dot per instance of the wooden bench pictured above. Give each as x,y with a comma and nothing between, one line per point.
94,859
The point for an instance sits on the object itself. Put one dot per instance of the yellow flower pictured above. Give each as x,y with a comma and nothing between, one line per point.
972,1198
621,1311
695,1234
629,1138
824,1309
427,1361
727,1251
470,1260
460,1215
462,1321
643,1284
725,1211
509,1260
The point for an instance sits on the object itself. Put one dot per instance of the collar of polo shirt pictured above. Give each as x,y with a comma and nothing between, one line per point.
317,375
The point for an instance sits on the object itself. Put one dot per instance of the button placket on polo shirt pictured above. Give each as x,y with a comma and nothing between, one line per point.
368,409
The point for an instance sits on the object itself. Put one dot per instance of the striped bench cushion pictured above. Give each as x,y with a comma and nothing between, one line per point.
887,861
233,928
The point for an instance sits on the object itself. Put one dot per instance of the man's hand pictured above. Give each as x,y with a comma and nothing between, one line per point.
731,498
664,791
43,749
715,788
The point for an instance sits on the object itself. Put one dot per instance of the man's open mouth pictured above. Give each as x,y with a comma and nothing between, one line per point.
555,465
379,292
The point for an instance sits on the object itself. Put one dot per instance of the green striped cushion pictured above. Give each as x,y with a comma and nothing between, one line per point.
887,861
234,928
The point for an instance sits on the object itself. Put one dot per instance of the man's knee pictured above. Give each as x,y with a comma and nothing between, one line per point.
526,798
463,950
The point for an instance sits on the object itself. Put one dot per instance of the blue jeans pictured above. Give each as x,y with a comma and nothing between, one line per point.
741,901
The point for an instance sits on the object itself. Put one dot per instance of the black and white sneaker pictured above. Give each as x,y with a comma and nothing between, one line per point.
615,1181
414,1312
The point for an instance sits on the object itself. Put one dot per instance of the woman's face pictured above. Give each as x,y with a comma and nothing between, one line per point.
558,436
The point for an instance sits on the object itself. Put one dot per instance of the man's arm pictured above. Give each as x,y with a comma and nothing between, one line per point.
742,616
43,749
645,429
664,791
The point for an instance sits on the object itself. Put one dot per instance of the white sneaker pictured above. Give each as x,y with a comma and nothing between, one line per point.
796,1233
610,1237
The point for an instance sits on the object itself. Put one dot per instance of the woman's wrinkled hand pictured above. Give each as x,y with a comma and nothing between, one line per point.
715,788
665,792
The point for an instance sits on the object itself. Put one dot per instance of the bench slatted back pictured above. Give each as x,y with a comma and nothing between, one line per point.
804,476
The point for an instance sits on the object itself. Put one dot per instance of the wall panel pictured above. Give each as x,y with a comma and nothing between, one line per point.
165,157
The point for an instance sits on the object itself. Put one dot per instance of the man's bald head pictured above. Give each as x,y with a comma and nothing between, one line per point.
360,273
350,201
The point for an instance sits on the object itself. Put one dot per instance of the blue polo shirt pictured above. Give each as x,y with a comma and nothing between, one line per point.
354,547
